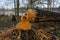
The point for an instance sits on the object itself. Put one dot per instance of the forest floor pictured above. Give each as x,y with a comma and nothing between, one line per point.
45,31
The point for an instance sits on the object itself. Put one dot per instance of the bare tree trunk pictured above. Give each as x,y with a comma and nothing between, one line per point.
49,5
17,7
53,3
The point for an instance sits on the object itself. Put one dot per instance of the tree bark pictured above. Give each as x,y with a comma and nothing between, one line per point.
17,7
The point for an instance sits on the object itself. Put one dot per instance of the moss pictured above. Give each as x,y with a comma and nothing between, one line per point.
47,30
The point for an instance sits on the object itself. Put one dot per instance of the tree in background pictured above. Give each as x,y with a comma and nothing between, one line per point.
16,6
31,3
49,5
